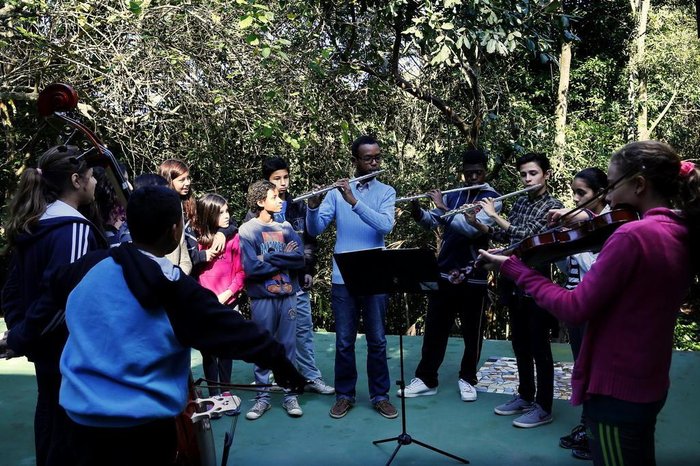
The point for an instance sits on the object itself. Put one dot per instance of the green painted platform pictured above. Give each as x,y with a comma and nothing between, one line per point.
469,430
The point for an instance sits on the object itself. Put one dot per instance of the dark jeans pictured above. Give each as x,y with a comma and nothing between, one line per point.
217,370
530,335
468,302
576,338
50,418
621,432
150,444
347,310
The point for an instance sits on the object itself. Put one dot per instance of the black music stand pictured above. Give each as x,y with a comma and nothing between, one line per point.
379,271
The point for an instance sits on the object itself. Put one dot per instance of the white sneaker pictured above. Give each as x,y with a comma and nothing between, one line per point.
292,407
258,409
466,391
417,388
319,386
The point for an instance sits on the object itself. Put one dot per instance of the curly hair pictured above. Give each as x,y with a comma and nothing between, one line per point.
258,192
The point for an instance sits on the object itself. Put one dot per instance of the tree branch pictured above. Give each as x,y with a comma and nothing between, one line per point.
663,112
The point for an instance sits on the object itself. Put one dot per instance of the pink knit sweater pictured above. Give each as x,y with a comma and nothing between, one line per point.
630,299
225,272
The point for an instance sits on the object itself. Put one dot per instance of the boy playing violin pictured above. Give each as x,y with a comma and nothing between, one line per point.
462,288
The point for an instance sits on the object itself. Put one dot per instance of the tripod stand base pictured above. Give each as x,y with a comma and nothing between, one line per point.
406,439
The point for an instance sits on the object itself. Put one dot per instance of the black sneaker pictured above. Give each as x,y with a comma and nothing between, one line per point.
575,439
340,408
386,409
582,453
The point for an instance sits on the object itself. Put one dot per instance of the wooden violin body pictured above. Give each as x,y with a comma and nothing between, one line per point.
589,235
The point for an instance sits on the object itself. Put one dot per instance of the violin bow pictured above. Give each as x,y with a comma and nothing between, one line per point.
603,192
242,387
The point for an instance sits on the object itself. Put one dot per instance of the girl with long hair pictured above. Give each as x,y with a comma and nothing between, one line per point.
177,174
45,231
621,375
223,274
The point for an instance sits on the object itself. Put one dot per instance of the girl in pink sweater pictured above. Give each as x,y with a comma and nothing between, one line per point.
630,299
223,274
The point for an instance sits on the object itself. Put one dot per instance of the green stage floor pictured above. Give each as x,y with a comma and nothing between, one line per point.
469,430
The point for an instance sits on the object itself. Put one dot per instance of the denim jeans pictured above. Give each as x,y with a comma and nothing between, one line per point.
306,360
278,316
347,310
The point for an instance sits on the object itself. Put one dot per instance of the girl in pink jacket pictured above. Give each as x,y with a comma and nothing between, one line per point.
223,274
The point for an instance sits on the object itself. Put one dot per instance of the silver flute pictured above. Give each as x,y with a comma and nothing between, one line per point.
316,192
471,207
456,190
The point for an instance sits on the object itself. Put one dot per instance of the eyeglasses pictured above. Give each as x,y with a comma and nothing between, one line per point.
375,158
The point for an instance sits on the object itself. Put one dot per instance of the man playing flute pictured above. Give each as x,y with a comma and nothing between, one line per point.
364,214
462,288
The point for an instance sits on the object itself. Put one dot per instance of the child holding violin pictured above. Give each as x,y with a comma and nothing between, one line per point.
621,374
530,324
588,188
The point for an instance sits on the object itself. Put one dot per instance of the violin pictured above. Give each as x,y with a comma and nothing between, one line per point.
555,244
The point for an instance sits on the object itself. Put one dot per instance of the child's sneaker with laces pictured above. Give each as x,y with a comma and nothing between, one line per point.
466,391
257,410
535,417
319,386
515,406
292,407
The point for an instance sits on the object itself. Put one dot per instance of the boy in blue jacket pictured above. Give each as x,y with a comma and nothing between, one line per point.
133,318
271,256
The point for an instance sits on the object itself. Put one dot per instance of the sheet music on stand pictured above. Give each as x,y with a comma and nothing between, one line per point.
380,270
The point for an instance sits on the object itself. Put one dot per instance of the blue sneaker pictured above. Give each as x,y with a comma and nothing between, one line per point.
515,406
536,416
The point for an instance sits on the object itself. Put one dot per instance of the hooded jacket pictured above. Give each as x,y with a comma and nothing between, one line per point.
133,318
62,236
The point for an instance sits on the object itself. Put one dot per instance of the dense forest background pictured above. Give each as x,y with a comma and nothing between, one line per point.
223,84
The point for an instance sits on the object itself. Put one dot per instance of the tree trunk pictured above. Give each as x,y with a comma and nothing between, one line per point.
637,90
562,97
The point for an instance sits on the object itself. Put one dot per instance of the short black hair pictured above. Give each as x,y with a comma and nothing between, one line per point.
258,192
151,212
271,165
149,179
539,158
361,141
475,156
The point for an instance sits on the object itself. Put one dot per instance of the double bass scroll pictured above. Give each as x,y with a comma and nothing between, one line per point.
58,101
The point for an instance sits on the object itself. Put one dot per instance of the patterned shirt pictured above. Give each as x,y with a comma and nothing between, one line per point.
527,217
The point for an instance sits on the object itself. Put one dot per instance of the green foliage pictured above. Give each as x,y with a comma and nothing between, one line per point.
223,84
687,334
